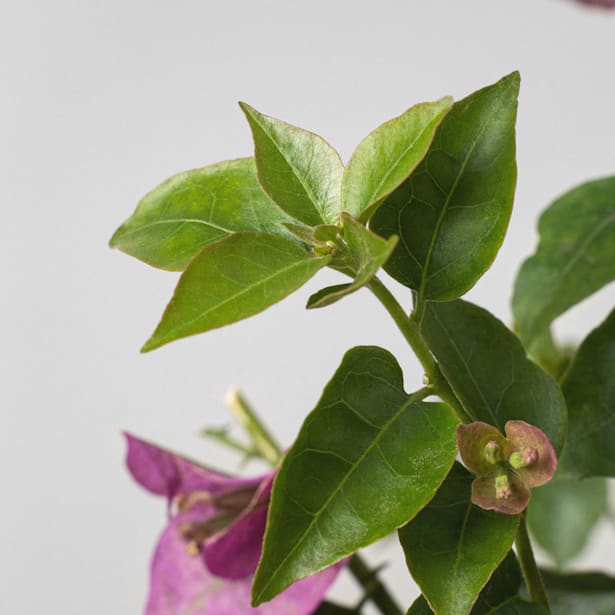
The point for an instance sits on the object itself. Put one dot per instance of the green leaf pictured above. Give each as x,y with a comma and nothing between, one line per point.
367,251
451,214
518,606
299,170
589,389
574,258
387,156
512,606
563,513
231,279
503,585
452,547
366,460
176,220
589,593
487,368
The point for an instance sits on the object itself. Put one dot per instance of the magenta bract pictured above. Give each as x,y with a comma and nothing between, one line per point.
205,559
506,467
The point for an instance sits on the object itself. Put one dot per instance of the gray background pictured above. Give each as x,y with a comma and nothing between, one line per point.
103,100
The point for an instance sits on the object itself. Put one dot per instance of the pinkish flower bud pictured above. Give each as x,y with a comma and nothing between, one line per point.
503,489
505,468
523,458
491,452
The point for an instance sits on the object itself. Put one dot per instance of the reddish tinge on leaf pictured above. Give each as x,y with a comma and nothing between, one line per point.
506,467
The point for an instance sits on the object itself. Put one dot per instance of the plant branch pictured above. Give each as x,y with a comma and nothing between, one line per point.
531,574
411,331
374,588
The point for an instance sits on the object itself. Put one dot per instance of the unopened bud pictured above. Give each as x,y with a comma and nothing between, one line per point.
502,487
523,458
491,451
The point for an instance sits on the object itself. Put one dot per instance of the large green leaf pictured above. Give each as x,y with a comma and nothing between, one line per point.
589,593
231,279
574,257
503,585
563,513
452,547
367,253
177,219
299,170
487,368
512,606
451,214
366,460
589,388
387,156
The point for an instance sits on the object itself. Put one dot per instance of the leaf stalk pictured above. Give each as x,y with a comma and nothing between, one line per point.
411,332
529,569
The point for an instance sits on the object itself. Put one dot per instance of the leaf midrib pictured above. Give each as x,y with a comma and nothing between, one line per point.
444,210
244,291
308,192
404,407
456,349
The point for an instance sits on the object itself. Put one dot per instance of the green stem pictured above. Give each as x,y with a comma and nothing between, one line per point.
264,444
530,571
374,588
411,331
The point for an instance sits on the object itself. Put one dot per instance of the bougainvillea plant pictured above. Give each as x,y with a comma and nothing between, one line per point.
427,198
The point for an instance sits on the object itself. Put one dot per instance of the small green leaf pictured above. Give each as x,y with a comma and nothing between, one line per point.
503,585
487,368
589,593
563,513
451,214
368,253
366,460
453,547
589,389
387,156
574,257
176,220
299,170
231,279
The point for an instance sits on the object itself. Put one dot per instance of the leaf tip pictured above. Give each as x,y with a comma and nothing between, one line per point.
151,344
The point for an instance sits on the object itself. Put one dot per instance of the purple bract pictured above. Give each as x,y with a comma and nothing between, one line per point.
205,559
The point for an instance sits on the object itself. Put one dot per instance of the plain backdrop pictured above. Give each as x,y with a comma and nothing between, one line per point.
100,102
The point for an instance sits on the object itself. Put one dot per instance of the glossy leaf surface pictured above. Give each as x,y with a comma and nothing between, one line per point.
232,279
387,156
486,366
574,258
190,210
366,460
563,513
368,253
299,170
451,214
502,587
453,547
589,388
590,593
